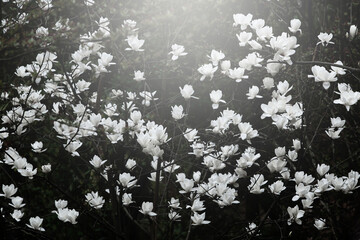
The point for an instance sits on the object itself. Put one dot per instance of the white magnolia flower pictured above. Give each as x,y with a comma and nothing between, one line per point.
72,147
35,223
95,200
135,43
253,92
60,204
242,20
38,147
138,76
190,134
174,216
130,164
105,59
96,161
177,51
295,214
46,168
244,38
127,199
277,187
216,56
268,83
126,180
325,39
207,70
320,74
338,70
352,32
225,66
237,74
8,190
42,32
89,2
257,24
177,112
146,209
322,169
347,96
215,97
295,25
17,202
67,215
198,219
255,45
320,223
187,92
17,215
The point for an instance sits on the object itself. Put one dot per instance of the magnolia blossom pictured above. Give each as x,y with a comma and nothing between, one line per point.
242,20
295,25
325,39
320,223
237,74
130,164
244,38
97,162
247,132
135,43
268,83
347,96
89,2
17,215
225,66
277,187
38,147
255,45
8,190
253,92
177,112
95,200
295,214
42,32
127,199
17,202
215,57
198,219
105,59
352,32
67,215
174,216
187,92
46,168
338,70
190,134
126,180
72,147
256,182
176,51
320,74
138,76
273,68
265,33
146,209
207,70
129,25
257,24
35,223
322,169
215,97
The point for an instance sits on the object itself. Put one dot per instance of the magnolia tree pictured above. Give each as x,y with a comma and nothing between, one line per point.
121,159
